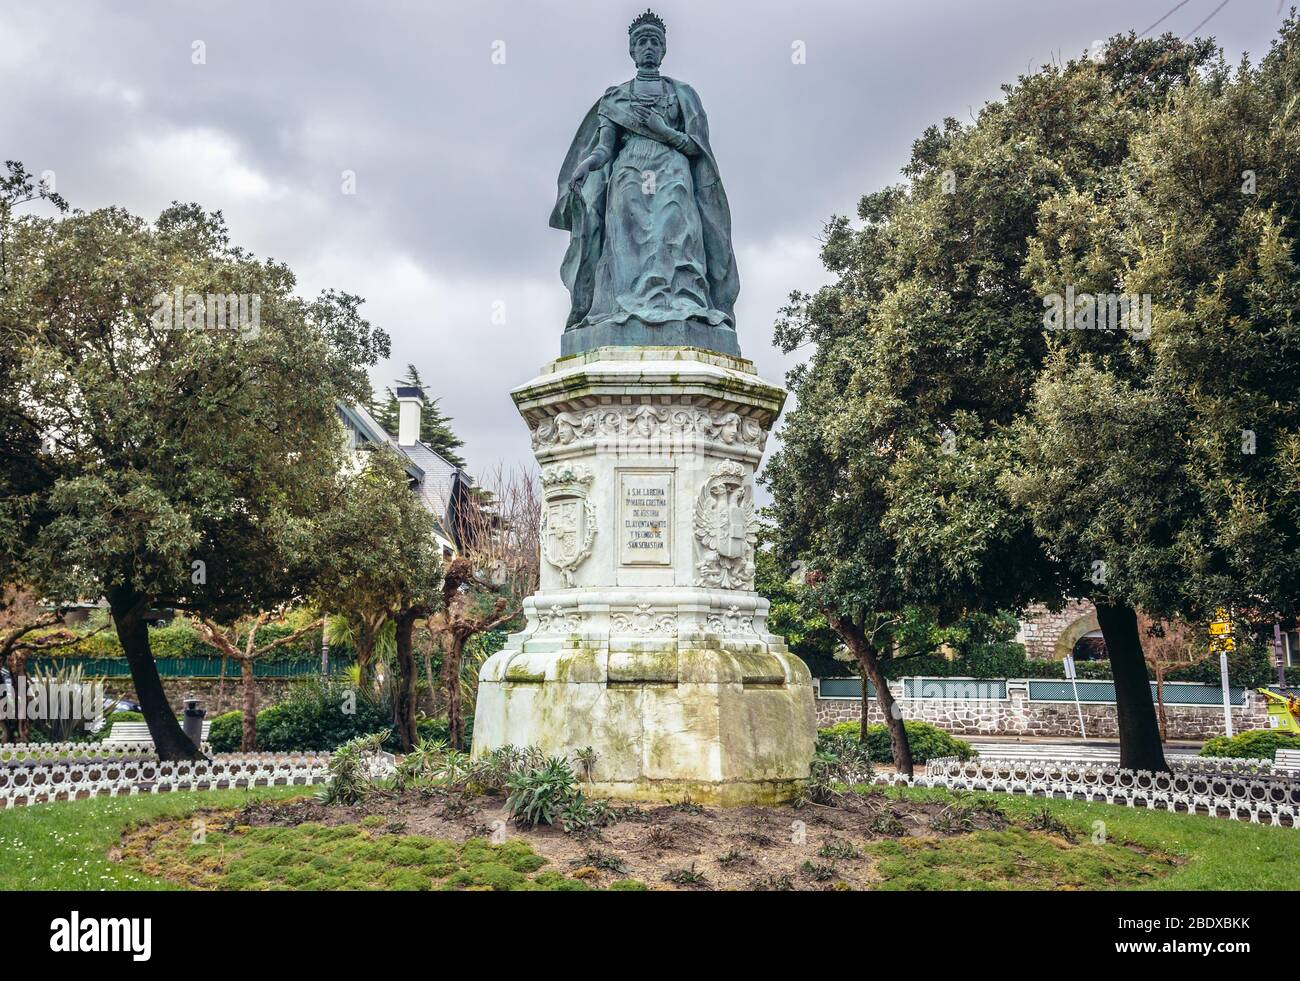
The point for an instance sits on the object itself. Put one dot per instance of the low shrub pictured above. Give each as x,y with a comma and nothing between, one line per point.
320,714
927,742
227,732
1258,744
436,730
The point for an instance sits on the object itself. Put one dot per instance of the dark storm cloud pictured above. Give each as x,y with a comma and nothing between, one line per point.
455,156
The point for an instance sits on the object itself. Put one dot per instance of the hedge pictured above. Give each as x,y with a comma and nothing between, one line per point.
311,719
1258,744
927,742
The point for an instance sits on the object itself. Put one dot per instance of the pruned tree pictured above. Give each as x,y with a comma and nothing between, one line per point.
484,586
237,641
26,631
1166,644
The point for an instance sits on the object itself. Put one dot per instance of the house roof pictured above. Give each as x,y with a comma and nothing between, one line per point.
435,477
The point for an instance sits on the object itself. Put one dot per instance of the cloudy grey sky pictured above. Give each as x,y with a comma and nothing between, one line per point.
455,154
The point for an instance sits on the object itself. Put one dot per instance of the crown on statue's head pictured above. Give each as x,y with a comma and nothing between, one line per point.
647,20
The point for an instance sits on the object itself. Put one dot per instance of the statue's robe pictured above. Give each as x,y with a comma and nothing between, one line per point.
584,214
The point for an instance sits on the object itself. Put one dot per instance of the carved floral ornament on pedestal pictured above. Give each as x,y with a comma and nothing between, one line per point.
726,528
649,422
643,620
559,620
568,518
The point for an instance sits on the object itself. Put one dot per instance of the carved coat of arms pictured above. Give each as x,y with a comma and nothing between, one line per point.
568,519
726,527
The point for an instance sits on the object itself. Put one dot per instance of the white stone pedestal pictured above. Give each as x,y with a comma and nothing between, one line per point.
646,640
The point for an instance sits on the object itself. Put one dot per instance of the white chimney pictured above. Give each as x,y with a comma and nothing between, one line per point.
409,403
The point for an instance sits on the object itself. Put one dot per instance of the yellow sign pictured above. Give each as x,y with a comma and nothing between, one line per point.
1221,632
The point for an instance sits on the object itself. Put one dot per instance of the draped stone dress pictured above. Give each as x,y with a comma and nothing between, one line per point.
650,260
653,268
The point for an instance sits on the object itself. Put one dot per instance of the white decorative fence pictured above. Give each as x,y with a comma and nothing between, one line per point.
36,780
24,752
1242,790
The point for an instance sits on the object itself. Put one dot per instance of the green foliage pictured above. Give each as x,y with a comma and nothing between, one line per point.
1258,744
178,639
226,734
581,815
382,563
948,451
493,770
435,730
928,742
840,758
1173,457
793,614
315,716
176,454
539,795
349,783
1251,665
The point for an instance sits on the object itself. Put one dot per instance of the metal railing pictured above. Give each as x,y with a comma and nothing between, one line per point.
187,667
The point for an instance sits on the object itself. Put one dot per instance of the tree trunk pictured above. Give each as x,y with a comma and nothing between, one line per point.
1139,735
865,707
430,687
128,609
454,650
404,696
20,673
221,687
248,742
365,648
1160,700
17,676
898,744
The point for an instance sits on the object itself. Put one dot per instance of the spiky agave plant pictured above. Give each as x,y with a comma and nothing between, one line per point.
538,796
349,780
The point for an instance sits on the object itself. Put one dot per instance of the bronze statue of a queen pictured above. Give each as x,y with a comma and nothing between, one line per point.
650,261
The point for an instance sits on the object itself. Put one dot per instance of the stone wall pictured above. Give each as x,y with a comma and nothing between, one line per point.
1016,715
207,690
1048,635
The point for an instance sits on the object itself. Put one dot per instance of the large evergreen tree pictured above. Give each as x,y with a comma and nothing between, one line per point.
947,450
435,427
186,461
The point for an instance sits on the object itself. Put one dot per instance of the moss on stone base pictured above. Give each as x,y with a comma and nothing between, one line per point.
738,793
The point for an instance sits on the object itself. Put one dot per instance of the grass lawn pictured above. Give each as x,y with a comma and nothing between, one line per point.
1214,853
65,844
1046,845
366,855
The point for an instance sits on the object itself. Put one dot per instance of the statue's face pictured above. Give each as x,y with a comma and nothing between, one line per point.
647,48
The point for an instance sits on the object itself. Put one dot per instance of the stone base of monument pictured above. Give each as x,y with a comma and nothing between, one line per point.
646,641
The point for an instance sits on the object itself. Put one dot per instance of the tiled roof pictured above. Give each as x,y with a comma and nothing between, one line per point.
435,477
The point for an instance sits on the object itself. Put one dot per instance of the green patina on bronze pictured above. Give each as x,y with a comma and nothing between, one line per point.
650,260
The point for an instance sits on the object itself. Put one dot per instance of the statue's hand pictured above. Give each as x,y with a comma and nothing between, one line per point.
654,123
580,173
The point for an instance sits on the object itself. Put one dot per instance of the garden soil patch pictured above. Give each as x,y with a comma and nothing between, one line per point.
861,841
